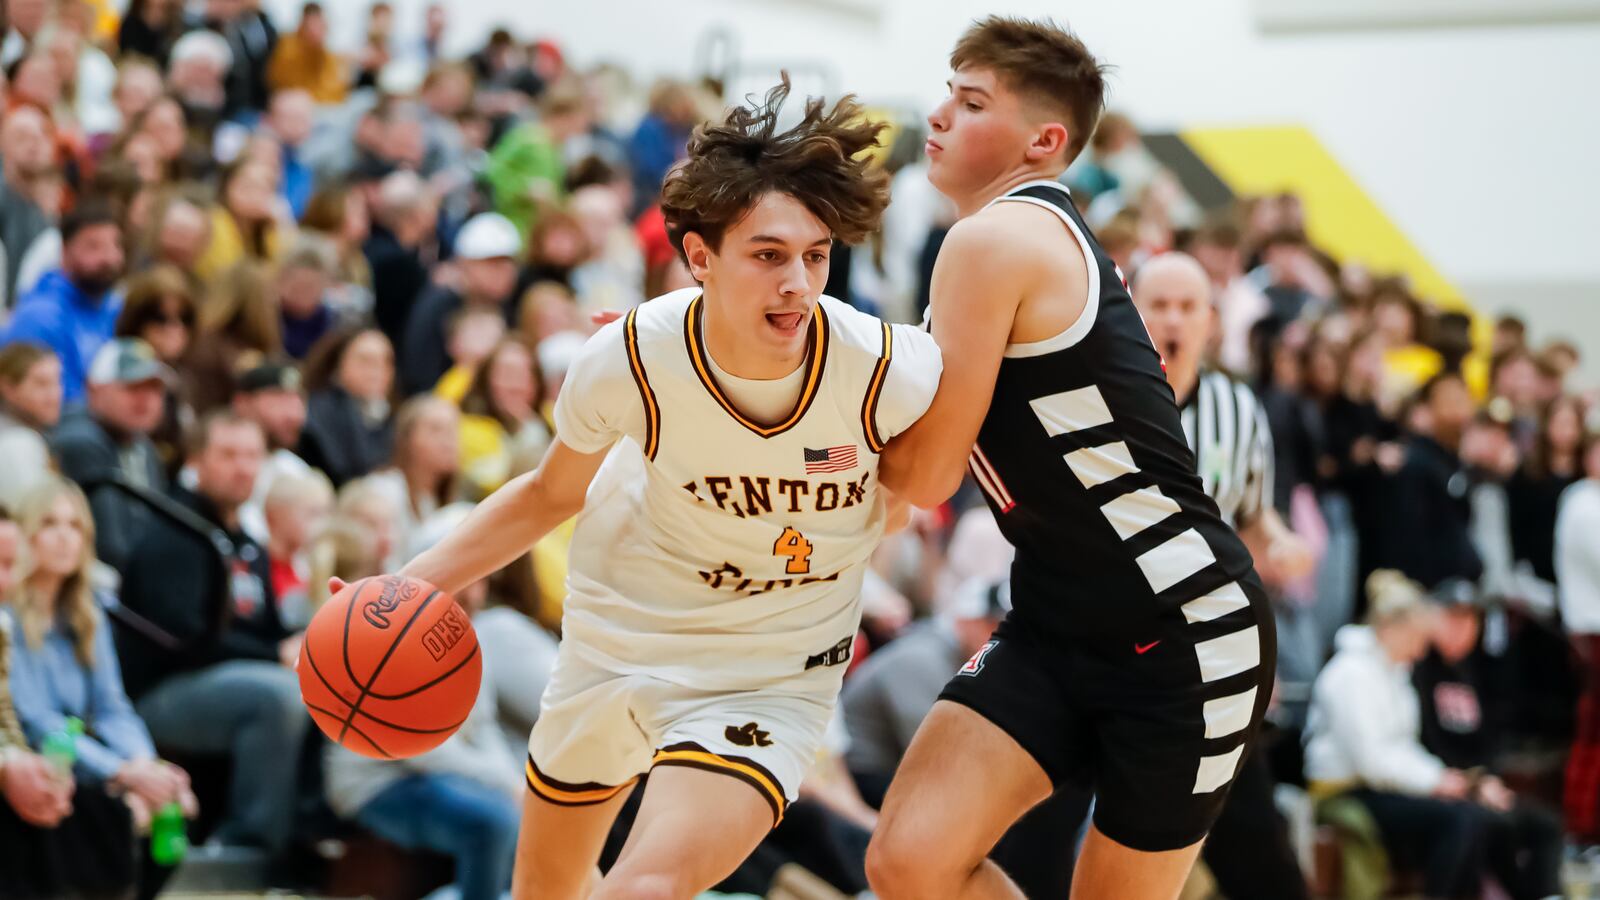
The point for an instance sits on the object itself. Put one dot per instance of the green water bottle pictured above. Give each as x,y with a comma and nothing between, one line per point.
169,836
61,746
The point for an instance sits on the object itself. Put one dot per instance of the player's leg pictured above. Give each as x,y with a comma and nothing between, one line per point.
558,845
1003,733
1107,869
1175,711
693,829
962,783
584,756
727,768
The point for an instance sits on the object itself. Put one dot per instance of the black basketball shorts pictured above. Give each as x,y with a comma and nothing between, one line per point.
1155,721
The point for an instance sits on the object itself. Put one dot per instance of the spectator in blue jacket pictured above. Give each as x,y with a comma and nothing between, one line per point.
72,310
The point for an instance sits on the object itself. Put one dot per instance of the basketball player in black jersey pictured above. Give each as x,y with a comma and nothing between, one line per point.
1138,655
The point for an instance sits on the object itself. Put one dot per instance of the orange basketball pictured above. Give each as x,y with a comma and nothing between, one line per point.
390,667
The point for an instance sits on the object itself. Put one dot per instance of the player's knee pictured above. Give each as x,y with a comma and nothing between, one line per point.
899,866
642,886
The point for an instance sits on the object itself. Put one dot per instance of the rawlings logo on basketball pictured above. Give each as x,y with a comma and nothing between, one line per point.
445,633
975,665
395,592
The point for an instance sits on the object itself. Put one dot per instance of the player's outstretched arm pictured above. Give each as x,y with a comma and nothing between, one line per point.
978,282
510,521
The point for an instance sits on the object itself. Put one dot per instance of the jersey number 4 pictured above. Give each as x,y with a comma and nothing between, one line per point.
794,545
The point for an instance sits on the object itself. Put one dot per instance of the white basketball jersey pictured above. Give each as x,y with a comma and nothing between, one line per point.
715,551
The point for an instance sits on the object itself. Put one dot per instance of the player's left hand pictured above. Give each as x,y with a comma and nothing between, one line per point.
604,317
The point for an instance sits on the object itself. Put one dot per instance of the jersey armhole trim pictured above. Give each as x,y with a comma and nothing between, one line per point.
869,405
652,412
1079,329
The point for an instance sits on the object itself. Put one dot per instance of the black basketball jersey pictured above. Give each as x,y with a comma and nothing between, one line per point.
1084,460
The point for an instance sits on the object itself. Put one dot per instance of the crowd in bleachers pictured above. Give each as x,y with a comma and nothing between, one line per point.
271,312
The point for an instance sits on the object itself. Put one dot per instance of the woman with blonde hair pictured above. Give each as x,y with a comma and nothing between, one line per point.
237,329
64,665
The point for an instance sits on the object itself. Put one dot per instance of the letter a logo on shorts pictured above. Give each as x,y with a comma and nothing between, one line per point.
975,664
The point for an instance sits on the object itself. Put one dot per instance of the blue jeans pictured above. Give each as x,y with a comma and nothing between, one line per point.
471,822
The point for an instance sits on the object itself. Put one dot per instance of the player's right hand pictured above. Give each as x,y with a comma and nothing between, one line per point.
604,317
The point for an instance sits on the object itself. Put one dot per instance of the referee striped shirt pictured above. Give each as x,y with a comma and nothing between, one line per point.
1232,443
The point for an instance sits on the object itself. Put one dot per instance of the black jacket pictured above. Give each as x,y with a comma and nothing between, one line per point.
1427,526
425,349
338,440
209,590
398,276
90,456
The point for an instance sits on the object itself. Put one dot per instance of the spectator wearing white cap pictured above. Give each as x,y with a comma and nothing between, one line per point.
197,74
107,442
486,259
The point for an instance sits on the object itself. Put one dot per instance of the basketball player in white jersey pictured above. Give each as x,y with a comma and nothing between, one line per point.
720,447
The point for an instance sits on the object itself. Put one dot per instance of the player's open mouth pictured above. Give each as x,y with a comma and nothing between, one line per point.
786,322
1170,350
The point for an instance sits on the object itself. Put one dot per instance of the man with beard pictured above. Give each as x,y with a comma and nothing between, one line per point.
71,310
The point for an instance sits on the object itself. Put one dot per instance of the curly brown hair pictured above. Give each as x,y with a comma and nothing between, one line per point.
732,164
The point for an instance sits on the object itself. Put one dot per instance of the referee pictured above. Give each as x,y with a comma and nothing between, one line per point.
1248,852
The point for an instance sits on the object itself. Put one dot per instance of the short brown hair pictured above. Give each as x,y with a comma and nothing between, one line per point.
732,164
1043,63
145,296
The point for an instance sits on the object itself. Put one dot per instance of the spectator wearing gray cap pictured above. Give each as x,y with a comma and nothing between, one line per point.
108,441
486,253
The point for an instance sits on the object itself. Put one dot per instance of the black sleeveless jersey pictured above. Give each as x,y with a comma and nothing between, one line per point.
1083,458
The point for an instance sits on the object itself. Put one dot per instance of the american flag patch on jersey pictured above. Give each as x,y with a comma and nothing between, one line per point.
832,459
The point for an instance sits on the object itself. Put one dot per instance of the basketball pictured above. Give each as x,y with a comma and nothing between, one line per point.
390,667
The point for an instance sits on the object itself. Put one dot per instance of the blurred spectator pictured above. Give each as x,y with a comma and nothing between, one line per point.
244,224
502,422
64,664
165,123
271,396
1515,376
1510,333
107,443
349,431
251,38
23,19
289,120
1458,689
486,251
302,60
30,406
557,246
374,54
470,336
302,283
460,798
399,250
238,329
1363,742
435,22
1219,248
548,308
423,478
297,508
197,75
371,511
72,310
612,278
139,84
228,685
37,797
178,234
87,77
1578,571
526,168
150,28
160,310
1428,495
662,136
27,153
339,216
1534,493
